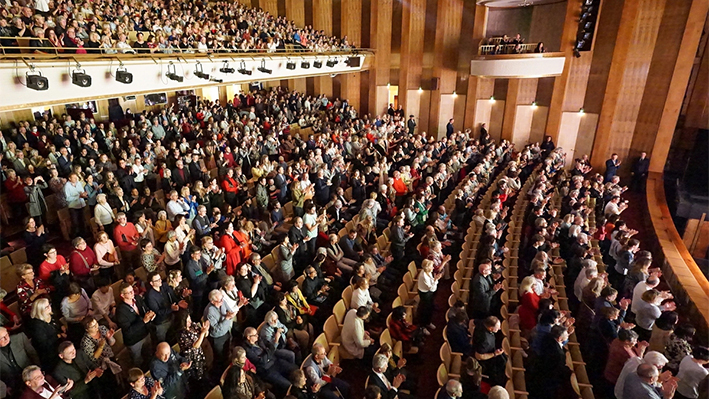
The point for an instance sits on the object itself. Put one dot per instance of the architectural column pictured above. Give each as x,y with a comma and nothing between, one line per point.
570,86
682,70
517,120
380,40
413,23
479,88
445,65
351,26
295,11
322,20
635,43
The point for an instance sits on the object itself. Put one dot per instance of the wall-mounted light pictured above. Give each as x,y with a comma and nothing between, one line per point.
455,94
581,111
534,105
388,85
492,99
172,73
420,90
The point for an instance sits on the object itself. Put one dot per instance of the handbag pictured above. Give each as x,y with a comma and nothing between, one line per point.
109,257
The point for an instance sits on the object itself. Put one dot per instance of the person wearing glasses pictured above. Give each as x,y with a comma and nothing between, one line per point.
40,386
162,300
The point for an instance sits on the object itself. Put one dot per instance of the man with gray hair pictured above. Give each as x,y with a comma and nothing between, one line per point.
221,318
269,367
275,332
322,371
645,384
631,365
452,390
378,378
16,353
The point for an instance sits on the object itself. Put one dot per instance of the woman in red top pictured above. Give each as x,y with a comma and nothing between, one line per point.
528,305
401,330
15,190
52,262
231,187
231,249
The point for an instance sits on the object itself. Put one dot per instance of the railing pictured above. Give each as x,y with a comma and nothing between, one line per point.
689,285
23,50
492,49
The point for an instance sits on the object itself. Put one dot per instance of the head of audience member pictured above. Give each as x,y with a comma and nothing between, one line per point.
492,324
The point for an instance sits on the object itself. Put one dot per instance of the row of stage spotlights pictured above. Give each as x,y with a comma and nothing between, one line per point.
36,81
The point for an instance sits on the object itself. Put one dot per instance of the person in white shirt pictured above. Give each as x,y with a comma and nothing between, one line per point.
640,289
35,381
378,378
355,339
103,214
176,206
427,286
692,370
614,206
589,271
361,296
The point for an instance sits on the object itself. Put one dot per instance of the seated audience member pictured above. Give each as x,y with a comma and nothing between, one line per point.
458,335
103,302
378,378
401,330
397,366
169,367
322,372
275,332
355,339
269,367
300,389
679,346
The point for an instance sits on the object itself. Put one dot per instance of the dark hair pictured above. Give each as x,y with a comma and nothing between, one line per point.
372,392
144,243
398,313
181,319
362,311
102,281
490,321
608,291
557,331
86,321
64,345
194,249
74,288
47,247
700,353
667,320
685,331
134,375
548,316
627,335
151,276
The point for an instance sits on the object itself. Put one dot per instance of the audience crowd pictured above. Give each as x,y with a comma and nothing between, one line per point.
153,27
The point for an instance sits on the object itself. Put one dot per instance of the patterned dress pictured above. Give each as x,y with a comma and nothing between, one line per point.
89,345
196,355
24,292
149,382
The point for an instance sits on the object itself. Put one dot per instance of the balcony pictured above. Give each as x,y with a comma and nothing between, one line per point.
151,73
529,65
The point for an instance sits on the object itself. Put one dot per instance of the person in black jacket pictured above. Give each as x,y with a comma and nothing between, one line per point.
168,367
198,271
44,333
76,366
162,300
269,367
132,317
300,388
399,237
639,173
491,358
180,175
548,370
390,389
459,337
483,289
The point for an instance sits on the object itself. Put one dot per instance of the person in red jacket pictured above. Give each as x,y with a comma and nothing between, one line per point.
401,330
231,187
528,304
82,262
231,248
126,236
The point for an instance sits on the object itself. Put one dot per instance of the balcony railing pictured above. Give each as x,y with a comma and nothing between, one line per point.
493,49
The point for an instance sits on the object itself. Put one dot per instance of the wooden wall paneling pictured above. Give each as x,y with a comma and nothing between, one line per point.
659,76
637,35
479,88
548,23
270,6
380,40
586,134
539,120
520,92
466,51
413,22
683,68
424,100
295,11
509,21
697,111
248,3
459,111
497,114
445,64
568,37
322,20
351,26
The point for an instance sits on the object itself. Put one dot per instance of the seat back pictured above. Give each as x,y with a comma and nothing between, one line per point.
347,296
339,311
331,330
19,256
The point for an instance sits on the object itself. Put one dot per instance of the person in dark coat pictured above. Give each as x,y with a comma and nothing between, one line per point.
377,378
39,386
483,290
612,166
16,353
450,128
548,370
639,173
76,366
44,333
169,367
132,317
458,336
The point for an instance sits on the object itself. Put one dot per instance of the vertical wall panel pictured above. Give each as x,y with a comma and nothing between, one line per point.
413,22
351,26
380,40
322,20
270,6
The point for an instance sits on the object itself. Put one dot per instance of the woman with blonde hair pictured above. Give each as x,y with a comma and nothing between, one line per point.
103,214
162,226
106,255
45,333
528,304
427,286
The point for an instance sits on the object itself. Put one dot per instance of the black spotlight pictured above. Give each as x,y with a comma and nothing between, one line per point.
243,70
198,72
80,78
123,76
213,79
305,65
577,53
225,68
263,68
331,63
172,75
36,81
290,65
317,64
